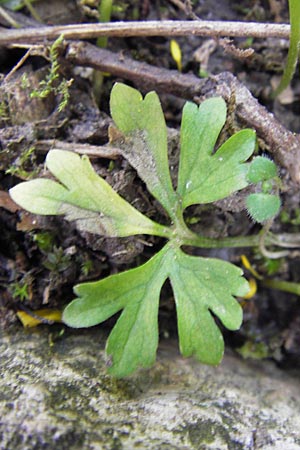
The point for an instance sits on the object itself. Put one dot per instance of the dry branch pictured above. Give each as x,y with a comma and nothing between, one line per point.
92,151
147,28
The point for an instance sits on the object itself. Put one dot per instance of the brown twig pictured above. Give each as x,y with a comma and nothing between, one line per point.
142,74
146,28
92,151
282,143
186,7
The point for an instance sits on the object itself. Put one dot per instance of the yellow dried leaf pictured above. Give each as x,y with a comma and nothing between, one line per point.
246,263
252,290
47,316
176,53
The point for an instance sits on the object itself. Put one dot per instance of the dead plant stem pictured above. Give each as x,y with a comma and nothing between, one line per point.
145,28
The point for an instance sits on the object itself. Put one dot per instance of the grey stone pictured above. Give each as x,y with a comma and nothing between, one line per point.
57,395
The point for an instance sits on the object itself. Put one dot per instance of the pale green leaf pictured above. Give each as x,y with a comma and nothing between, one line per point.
39,196
133,341
205,176
203,287
83,197
144,143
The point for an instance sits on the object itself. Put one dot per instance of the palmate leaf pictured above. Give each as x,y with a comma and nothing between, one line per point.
205,177
203,288
83,197
200,285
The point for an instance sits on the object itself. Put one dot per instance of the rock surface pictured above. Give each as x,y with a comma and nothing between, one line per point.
57,395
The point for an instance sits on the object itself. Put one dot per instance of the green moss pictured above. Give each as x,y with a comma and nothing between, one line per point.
22,165
207,432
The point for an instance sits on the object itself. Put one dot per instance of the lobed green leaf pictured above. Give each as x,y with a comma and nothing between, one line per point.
83,197
205,177
144,143
202,287
133,341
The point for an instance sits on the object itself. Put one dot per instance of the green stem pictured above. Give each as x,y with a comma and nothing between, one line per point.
104,9
180,233
32,10
293,53
205,242
286,286
8,18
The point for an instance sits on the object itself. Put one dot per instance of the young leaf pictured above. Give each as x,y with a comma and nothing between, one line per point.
205,177
201,287
145,144
261,169
133,341
83,197
262,207
265,204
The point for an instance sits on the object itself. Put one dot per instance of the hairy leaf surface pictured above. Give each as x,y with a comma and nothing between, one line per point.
261,169
262,206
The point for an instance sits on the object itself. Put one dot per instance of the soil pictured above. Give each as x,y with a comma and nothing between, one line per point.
41,258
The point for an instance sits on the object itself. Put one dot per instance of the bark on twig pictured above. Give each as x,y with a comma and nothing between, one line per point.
148,28
93,151
282,143
142,74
